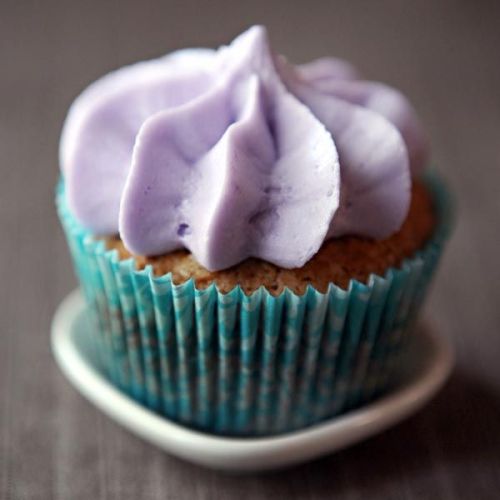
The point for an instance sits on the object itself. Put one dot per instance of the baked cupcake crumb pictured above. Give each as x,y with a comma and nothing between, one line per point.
338,261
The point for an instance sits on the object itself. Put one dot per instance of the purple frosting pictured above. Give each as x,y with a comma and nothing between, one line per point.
236,153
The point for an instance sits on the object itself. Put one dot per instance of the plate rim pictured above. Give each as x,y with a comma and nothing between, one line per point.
236,453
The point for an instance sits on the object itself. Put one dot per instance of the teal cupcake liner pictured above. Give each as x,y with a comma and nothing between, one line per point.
258,364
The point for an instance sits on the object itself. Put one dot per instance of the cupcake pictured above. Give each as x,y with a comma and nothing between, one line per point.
253,238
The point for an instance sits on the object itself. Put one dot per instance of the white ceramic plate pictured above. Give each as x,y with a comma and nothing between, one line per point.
428,367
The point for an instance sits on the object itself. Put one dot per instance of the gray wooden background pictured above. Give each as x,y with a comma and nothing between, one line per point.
445,55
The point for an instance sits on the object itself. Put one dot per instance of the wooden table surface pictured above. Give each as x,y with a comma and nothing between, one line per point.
445,55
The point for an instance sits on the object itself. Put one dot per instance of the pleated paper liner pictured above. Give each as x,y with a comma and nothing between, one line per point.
256,364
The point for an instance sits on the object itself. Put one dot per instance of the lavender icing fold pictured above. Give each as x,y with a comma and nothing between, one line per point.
235,153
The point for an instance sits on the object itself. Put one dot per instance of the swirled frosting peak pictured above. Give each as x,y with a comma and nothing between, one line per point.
235,153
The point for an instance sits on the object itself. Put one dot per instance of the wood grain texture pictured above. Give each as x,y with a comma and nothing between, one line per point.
444,55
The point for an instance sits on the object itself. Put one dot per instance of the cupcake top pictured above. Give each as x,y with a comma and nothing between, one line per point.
236,153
